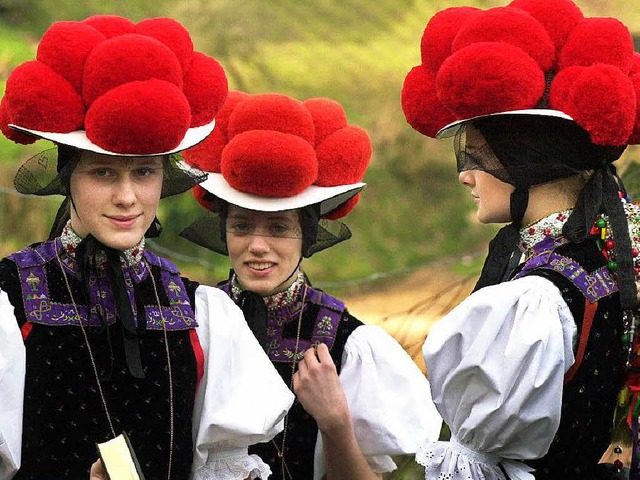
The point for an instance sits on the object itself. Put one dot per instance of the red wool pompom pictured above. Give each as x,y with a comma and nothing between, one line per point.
269,164
509,25
560,91
125,59
111,25
206,88
489,77
558,17
598,40
207,154
635,136
40,99
65,46
172,34
145,118
10,133
435,45
343,157
602,100
421,106
203,197
328,116
270,111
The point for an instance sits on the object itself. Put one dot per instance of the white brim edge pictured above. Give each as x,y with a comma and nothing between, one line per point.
329,198
451,129
78,139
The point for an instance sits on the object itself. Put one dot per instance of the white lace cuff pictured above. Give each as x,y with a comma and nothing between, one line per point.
454,461
236,465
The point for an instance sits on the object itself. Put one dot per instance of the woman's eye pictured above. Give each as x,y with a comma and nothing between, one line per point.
241,228
147,171
102,172
279,229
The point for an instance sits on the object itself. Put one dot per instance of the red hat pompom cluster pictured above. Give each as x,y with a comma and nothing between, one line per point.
272,145
133,88
531,54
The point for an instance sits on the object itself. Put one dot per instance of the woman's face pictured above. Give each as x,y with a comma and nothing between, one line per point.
491,196
115,198
264,248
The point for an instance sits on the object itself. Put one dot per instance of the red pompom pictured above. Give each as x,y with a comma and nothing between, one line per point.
206,87
635,136
268,163
558,17
10,133
343,157
65,46
635,64
559,93
421,106
40,99
328,116
602,100
144,118
343,209
111,25
270,111
512,26
203,197
598,40
435,45
489,77
172,34
206,155
125,59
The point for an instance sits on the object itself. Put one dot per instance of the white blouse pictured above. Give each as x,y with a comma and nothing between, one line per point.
496,365
389,400
228,415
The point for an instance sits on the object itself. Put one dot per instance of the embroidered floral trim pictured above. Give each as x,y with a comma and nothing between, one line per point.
70,241
278,300
549,226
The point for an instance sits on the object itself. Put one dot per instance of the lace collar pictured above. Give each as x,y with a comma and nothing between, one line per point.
549,226
277,300
70,240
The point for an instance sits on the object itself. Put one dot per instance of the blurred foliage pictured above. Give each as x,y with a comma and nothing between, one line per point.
358,52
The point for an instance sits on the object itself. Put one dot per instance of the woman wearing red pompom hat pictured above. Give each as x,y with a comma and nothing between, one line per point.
281,172
102,342
527,371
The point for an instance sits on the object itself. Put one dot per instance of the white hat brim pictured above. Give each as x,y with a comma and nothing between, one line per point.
78,139
453,128
329,198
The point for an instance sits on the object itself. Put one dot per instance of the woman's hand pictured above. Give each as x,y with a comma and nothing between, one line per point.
318,388
98,472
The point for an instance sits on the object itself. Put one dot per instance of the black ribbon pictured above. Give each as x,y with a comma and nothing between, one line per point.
255,314
85,256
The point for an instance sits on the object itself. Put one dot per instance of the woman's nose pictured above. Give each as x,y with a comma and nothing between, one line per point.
465,178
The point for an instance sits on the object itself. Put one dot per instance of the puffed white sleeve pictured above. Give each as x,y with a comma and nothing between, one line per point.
496,365
388,397
12,372
241,399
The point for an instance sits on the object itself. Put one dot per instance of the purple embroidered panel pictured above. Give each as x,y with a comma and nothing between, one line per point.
39,308
281,349
595,285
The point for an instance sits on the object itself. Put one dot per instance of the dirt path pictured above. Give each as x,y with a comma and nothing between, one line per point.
409,307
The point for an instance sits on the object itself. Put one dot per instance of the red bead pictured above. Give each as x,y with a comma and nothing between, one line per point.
618,464
532,231
620,195
634,251
546,232
609,244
